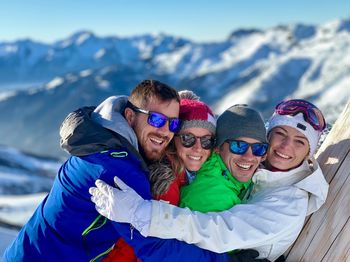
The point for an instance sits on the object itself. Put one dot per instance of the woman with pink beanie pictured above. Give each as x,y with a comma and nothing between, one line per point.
190,148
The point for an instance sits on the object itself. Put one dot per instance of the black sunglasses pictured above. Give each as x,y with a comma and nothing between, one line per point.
188,140
157,119
239,147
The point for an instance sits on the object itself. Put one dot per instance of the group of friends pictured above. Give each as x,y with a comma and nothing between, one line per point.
155,176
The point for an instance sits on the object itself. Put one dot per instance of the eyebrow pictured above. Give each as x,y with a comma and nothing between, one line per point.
300,137
281,128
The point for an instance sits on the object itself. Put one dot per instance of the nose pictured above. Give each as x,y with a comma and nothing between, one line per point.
197,145
249,153
285,142
164,130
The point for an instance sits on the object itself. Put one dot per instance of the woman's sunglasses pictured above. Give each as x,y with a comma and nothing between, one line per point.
239,147
188,140
311,113
157,119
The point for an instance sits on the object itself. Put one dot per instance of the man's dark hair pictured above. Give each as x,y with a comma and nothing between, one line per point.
147,90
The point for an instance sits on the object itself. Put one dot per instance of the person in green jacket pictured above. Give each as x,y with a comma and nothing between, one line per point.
225,177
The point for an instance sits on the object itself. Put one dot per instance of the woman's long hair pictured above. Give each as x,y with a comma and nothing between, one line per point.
163,172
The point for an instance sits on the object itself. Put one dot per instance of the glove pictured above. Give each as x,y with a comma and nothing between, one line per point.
246,255
121,204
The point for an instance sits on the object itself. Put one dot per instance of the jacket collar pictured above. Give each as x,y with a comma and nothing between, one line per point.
110,114
308,177
82,134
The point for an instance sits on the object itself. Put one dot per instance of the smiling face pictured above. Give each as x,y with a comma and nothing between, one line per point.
242,167
288,148
152,140
193,157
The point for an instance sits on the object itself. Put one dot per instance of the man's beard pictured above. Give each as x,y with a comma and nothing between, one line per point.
151,156
154,155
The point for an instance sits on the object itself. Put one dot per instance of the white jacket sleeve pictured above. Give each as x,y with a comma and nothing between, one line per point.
269,222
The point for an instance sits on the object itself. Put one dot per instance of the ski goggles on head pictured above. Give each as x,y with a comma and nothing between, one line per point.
188,140
157,119
240,147
311,113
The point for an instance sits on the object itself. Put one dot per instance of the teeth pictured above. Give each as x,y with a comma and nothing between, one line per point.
194,157
155,140
282,155
243,166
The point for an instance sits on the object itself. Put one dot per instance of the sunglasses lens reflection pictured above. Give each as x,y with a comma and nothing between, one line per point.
241,147
189,140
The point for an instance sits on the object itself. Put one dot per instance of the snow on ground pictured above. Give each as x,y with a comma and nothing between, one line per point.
17,209
6,237
24,182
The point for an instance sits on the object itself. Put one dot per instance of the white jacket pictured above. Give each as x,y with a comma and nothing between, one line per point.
268,222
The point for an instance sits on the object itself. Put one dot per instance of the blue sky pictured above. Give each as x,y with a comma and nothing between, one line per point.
206,20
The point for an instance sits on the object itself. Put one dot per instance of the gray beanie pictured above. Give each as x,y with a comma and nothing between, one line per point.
238,121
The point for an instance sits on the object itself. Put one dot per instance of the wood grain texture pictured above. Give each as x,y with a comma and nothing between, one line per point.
326,233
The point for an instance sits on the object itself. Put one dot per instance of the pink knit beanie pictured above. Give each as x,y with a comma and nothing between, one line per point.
195,113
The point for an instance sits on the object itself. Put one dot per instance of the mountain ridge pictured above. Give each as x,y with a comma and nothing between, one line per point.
252,66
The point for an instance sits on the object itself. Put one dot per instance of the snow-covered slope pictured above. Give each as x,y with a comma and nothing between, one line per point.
26,60
316,68
6,237
24,182
256,67
21,173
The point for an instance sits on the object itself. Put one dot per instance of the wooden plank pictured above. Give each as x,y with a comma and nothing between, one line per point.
337,144
323,228
340,248
336,217
313,224
321,225
331,159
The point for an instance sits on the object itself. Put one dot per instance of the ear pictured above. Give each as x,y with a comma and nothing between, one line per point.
129,115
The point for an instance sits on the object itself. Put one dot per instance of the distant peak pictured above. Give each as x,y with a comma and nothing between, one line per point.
81,36
344,25
243,32
77,38
24,41
301,31
81,33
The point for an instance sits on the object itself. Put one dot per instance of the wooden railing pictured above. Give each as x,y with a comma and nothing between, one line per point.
326,233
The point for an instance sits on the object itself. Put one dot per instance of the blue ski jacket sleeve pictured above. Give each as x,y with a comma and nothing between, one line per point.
66,225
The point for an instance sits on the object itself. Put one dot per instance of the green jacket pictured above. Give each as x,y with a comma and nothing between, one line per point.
213,189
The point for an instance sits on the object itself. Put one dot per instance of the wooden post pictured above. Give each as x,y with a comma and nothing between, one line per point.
326,233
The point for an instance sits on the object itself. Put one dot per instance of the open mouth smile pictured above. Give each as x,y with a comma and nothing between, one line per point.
281,155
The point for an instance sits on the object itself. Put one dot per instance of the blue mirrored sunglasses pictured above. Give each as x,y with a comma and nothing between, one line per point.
157,119
240,147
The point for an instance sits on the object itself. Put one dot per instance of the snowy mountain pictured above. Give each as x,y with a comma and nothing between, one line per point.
22,173
26,60
257,67
24,182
